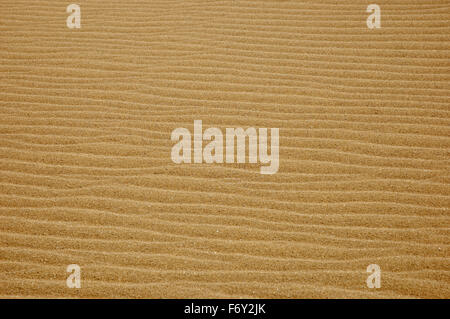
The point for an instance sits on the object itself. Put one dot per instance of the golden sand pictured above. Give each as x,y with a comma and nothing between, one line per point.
86,174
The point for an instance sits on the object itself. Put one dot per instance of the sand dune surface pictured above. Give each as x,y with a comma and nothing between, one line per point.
87,178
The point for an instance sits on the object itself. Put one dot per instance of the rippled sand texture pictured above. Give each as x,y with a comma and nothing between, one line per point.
87,178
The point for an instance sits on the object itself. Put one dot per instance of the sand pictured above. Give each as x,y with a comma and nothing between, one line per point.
86,174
